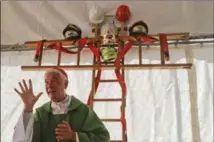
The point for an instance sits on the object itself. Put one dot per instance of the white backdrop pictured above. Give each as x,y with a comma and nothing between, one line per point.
158,105
23,21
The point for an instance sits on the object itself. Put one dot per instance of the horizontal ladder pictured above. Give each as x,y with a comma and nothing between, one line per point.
110,67
170,36
108,100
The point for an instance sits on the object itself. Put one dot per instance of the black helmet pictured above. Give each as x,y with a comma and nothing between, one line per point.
138,28
72,32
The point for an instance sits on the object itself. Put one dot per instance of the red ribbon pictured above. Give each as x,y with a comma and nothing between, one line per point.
164,45
82,43
98,76
38,50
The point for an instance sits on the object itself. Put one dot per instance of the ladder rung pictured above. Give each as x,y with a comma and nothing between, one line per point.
107,62
108,80
111,120
108,100
104,63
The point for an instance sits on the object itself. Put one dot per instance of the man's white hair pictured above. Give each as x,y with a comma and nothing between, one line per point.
62,76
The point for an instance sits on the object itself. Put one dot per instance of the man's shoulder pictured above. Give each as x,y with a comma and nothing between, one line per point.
76,100
77,103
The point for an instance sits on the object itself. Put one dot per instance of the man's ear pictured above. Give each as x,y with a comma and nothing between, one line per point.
66,84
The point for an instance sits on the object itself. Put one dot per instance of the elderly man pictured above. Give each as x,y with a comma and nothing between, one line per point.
63,119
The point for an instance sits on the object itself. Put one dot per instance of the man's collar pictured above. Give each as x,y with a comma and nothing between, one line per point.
65,103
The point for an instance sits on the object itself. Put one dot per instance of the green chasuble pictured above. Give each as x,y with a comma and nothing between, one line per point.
82,120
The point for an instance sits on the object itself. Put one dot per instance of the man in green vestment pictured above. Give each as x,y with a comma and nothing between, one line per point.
63,119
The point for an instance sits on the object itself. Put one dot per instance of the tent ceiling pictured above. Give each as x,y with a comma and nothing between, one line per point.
24,21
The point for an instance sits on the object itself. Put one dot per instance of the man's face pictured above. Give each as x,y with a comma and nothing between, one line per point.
55,86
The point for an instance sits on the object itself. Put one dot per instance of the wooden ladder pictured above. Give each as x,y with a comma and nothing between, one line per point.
122,99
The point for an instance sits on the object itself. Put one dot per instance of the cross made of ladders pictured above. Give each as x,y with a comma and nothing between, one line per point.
123,44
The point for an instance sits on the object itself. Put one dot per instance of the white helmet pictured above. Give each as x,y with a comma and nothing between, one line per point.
96,15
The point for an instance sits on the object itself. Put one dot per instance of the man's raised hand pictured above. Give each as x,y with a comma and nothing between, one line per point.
27,95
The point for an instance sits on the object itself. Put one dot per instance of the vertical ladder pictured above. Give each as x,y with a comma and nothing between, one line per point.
96,79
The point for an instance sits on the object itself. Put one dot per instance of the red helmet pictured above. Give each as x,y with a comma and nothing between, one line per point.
123,13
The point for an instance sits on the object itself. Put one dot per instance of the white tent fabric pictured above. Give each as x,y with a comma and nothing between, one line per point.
23,21
158,103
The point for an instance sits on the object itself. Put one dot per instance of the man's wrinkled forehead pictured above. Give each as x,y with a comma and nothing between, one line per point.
52,75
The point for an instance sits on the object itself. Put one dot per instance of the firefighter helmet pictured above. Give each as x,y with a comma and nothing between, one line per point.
72,32
139,28
96,15
123,13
